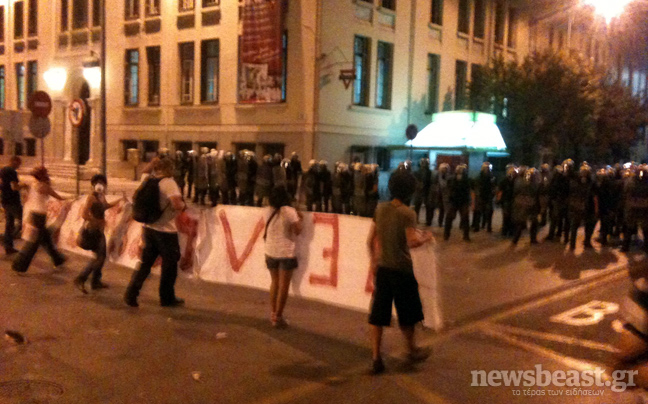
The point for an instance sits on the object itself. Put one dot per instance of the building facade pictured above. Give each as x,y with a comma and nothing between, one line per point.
177,77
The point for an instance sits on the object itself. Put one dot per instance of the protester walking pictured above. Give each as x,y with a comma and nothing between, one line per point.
10,190
283,225
156,203
92,235
392,235
38,233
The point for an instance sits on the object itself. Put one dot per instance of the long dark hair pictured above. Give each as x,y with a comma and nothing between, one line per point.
279,197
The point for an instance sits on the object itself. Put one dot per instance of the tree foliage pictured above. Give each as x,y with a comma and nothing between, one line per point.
558,103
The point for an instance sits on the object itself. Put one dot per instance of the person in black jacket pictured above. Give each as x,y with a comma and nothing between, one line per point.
423,181
526,205
607,203
558,193
581,205
326,186
459,192
505,198
484,193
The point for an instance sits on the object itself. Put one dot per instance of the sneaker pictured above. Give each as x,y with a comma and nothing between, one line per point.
80,284
279,323
418,355
377,367
173,303
131,301
99,285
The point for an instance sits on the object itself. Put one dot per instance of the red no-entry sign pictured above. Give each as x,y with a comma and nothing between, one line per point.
40,104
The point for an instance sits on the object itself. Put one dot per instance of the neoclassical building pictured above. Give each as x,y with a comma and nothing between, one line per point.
274,76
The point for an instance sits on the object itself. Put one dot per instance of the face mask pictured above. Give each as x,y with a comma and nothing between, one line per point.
100,188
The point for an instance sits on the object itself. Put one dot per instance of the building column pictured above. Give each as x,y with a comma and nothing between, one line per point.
67,137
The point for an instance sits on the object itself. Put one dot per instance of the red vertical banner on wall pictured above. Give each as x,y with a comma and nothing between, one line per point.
261,51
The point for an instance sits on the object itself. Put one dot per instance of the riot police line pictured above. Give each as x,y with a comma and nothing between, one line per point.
565,197
241,179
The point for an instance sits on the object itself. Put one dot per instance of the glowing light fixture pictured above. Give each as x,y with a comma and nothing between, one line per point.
93,75
460,129
608,9
55,78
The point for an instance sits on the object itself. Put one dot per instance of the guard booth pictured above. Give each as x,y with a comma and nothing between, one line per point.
457,137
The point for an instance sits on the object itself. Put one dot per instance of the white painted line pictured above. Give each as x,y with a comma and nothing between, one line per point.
563,339
419,390
568,361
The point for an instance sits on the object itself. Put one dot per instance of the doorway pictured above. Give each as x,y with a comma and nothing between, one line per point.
83,130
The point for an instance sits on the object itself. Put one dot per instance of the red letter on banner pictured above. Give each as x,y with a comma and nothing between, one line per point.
333,252
236,262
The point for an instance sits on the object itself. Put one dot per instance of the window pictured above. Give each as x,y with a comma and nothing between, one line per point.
20,85
150,149
131,78
434,72
2,23
131,11
476,87
284,65
96,13
128,144
186,72
499,22
152,7
182,146
384,75
464,16
153,60
480,19
209,71
32,78
1,147
18,148
185,5
436,16
209,3
32,22
64,15
30,145
79,14
512,25
389,4
361,65
273,148
461,73
19,16
3,90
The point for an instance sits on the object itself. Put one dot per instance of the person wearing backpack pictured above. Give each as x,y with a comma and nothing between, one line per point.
283,225
156,203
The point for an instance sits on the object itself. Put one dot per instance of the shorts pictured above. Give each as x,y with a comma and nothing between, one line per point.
400,288
281,263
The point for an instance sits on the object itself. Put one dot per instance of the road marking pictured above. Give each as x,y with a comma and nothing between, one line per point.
555,337
619,273
587,314
289,395
568,361
418,390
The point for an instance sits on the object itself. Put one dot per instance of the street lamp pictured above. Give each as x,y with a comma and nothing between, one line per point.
608,9
55,78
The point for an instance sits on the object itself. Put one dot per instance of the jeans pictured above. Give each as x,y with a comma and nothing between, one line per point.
94,267
13,212
44,238
165,245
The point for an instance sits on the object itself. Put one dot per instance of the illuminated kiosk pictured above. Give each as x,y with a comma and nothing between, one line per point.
456,137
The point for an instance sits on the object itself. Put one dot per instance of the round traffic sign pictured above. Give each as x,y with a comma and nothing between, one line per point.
40,104
411,131
76,112
39,126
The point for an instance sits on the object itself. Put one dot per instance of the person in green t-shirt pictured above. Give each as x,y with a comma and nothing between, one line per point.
392,235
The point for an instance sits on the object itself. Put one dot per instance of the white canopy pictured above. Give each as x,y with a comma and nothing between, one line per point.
461,129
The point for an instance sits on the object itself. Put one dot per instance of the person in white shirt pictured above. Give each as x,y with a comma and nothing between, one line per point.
36,206
160,238
283,225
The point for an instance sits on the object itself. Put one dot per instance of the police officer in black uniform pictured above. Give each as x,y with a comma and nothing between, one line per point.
459,198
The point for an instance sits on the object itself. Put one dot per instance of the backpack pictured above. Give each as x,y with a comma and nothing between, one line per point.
146,201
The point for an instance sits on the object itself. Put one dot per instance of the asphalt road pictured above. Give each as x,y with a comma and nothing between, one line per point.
220,348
